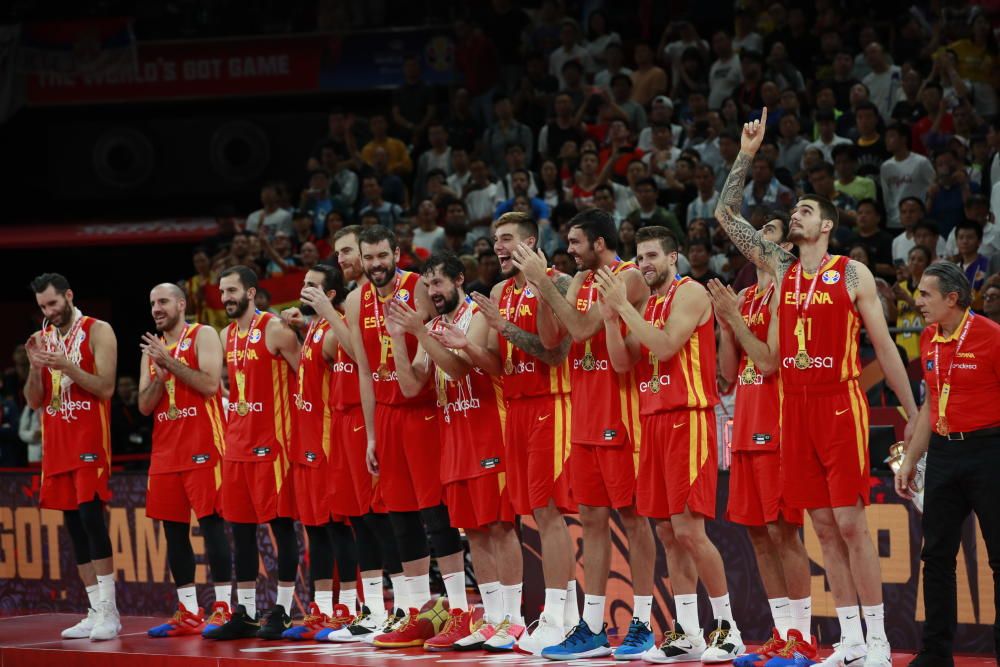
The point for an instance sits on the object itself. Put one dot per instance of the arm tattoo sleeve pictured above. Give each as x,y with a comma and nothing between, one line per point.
562,284
851,277
532,344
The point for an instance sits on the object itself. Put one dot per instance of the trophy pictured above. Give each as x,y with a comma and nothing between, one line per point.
895,460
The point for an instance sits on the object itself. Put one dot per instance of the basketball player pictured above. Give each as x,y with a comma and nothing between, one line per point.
748,354
403,443
472,462
73,360
671,346
262,355
536,440
179,378
310,453
825,471
355,491
605,435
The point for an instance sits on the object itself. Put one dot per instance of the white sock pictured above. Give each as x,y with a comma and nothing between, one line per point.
374,596
400,593
555,604
512,602
802,616
721,610
454,588
188,598
493,601
571,613
248,598
349,595
642,607
781,613
593,612
106,587
419,588
687,613
94,595
850,625
324,600
285,593
224,593
875,620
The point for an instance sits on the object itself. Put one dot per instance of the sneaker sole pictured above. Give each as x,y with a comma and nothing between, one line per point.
439,649
626,657
509,648
670,661
599,652
411,644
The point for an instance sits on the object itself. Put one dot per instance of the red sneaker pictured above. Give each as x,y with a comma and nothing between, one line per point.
221,614
796,652
460,624
341,618
314,621
182,623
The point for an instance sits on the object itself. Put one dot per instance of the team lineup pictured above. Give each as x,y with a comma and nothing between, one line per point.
388,417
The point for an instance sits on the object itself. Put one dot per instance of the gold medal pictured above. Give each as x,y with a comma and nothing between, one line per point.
508,366
588,363
802,360
654,384
749,375
242,408
942,426
56,402
442,394
383,372
173,413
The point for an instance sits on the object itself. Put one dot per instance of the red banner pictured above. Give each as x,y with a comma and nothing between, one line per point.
174,70
185,230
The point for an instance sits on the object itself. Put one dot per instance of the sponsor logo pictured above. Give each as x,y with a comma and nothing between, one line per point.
185,345
310,456
318,336
253,407
967,367
392,377
831,277
68,406
201,458
490,463
599,364
368,295
524,367
544,417
610,434
342,367
664,382
255,336
814,362
182,414
261,451
840,412
677,426
461,405
930,364
758,380
304,406
403,295
761,438
358,428
88,458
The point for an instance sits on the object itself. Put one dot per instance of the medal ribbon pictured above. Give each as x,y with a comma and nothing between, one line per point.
656,315
302,355
55,340
385,342
944,391
588,284
754,313
241,378
509,363
802,308
440,377
170,383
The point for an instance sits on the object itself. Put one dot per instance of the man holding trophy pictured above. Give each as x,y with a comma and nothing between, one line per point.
959,429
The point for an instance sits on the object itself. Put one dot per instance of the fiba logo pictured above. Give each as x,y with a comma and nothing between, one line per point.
255,336
317,336
814,362
185,345
831,277
664,382
67,406
403,295
182,413
342,367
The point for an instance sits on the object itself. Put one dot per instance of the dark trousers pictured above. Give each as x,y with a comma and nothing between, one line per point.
962,477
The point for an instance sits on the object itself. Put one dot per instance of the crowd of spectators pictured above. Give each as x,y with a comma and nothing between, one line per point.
896,122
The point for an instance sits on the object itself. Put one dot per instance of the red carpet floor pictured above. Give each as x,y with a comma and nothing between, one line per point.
33,641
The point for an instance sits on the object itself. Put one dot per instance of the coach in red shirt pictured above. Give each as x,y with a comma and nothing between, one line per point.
960,422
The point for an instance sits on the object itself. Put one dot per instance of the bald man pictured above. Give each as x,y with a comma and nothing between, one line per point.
179,386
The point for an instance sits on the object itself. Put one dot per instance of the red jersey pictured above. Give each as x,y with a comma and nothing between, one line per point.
188,431
473,416
831,326
345,391
259,425
584,196
758,407
975,373
312,401
687,379
524,375
378,345
76,429
612,399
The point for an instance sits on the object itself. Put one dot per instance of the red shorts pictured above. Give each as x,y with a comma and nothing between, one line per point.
172,496
755,490
256,492
67,490
312,494
408,449
537,443
677,464
604,475
478,502
824,447
354,491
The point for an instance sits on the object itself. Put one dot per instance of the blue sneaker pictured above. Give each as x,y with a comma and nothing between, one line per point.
764,652
638,640
219,617
581,643
796,652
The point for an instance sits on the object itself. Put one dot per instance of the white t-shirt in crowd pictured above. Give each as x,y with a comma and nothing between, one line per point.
724,77
911,177
278,221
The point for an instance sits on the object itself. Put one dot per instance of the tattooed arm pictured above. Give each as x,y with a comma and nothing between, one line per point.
550,328
532,344
765,254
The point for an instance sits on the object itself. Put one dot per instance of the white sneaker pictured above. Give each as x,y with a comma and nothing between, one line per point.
386,626
677,646
82,629
108,624
879,653
724,644
363,626
546,633
477,639
847,656
505,636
